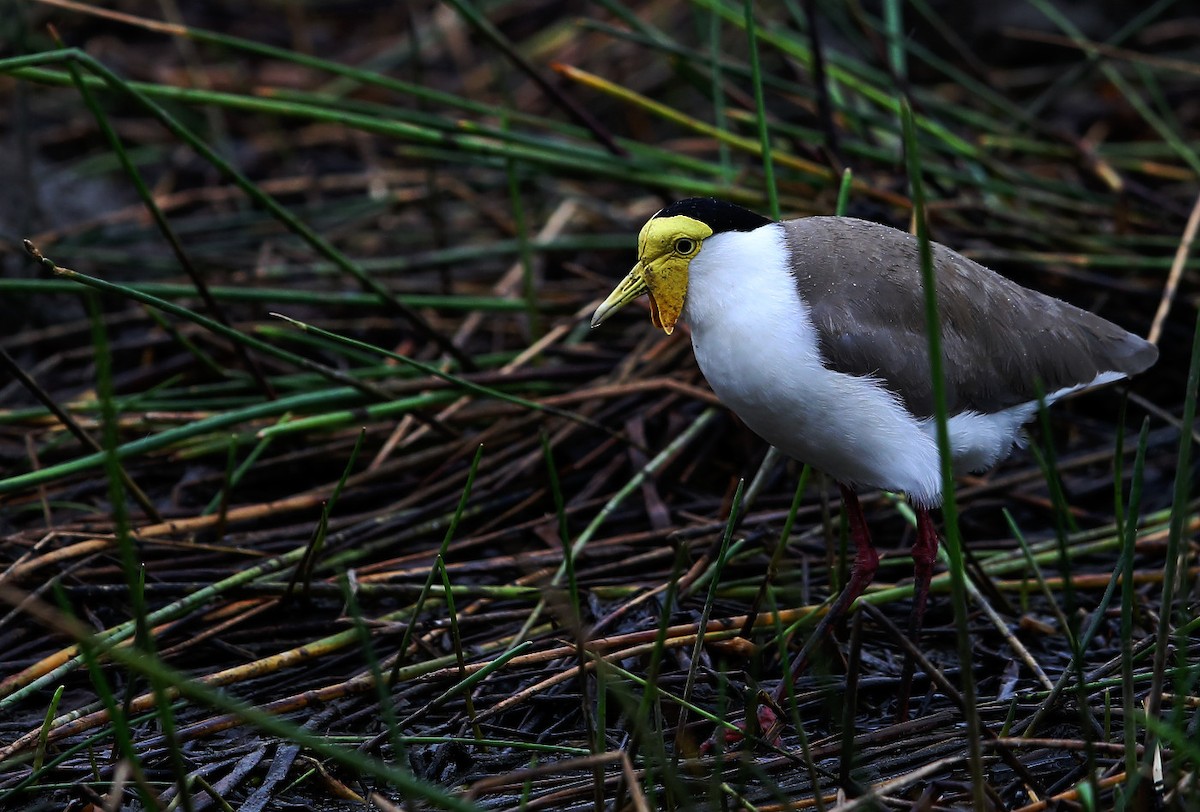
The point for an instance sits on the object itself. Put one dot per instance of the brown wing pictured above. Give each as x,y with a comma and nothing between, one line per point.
862,282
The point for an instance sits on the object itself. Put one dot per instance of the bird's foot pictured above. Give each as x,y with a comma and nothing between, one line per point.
769,728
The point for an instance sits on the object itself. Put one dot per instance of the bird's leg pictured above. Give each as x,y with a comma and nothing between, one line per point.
866,562
924,553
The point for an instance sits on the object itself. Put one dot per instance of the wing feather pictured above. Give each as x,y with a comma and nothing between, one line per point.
862,282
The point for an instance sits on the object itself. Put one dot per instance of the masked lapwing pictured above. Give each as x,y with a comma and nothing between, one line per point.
813,331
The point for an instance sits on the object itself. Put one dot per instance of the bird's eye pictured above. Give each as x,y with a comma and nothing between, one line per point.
685,246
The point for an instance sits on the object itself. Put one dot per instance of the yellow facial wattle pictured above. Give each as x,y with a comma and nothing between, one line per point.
666,248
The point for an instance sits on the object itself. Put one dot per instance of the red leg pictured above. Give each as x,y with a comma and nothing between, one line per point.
924,553
866,562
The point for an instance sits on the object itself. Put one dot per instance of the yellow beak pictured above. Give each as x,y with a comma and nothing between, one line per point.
631,287
665,280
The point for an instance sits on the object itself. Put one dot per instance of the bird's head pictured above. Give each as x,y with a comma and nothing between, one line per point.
666,248
668,243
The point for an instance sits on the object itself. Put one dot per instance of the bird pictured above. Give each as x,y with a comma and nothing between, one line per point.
813,332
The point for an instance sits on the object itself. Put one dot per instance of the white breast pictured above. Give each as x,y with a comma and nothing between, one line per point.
755,343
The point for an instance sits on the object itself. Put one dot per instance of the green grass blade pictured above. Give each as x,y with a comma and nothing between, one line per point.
953,543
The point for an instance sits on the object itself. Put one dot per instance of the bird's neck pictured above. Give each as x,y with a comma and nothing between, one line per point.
739,272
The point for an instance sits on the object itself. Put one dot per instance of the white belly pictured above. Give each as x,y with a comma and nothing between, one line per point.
846,426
